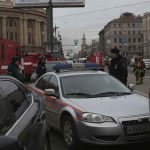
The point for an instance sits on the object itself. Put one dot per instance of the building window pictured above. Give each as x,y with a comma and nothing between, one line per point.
133,25
119,25
129,48
120,40
30,24
139,40
139,32
134,40
133,32
129,40
115,32
115,40
128,24
11,22
30,38
129,32
120,33
114,25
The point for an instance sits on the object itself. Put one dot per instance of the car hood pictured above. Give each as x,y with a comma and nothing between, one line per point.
123,106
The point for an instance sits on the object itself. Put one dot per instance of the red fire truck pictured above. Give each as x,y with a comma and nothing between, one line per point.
98,58
8,49
28,62
31,60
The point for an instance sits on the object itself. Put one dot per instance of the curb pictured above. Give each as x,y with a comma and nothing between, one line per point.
141,93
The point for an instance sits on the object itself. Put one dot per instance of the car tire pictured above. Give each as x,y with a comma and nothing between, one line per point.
69,133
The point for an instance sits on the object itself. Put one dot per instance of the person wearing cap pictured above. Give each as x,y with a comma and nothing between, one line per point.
41,68
14,70
118,66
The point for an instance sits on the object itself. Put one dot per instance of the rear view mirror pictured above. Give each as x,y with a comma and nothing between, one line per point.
131,87
49,92
7,143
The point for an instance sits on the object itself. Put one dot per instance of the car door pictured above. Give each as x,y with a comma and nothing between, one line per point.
53,103
6,119
20,103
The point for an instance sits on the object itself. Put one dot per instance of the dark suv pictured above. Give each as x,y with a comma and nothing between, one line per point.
22,119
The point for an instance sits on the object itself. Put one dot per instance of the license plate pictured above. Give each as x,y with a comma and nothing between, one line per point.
138,129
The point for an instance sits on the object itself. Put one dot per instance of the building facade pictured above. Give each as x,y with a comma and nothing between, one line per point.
25,26
126,33
146,34
102,41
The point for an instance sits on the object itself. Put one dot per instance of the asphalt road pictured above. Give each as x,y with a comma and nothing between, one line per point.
57,144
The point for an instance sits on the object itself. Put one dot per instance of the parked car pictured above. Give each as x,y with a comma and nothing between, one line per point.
22,123
147,63
93,107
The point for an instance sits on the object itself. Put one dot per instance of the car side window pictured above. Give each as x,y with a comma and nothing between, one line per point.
53,84
6,120
15,98
27,93
42,83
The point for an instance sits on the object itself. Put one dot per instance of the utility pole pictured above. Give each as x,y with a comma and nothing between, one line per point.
49,20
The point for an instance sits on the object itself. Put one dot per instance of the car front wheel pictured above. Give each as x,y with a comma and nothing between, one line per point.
69,132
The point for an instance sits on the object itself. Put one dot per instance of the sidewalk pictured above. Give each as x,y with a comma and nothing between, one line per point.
144,87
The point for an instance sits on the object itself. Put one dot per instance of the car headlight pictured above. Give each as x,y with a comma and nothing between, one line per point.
95,118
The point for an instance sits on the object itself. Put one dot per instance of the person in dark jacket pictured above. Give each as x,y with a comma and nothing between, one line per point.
14,70
118,66
41,69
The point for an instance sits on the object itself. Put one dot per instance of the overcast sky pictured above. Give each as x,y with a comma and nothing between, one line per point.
73,27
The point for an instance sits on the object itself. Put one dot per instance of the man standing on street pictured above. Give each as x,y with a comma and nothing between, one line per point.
118,66
13,69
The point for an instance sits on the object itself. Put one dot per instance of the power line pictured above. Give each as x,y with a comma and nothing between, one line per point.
105,9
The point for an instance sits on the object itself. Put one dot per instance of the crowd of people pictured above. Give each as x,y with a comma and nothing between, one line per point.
14,70
118,67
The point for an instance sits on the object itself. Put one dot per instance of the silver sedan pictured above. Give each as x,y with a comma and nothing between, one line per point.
94,107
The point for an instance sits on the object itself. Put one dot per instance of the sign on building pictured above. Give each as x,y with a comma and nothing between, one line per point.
45,3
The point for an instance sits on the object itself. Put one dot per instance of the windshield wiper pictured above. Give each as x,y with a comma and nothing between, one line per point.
105,94
81,94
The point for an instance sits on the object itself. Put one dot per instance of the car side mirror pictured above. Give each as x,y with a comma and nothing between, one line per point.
51,92
131,87
7,143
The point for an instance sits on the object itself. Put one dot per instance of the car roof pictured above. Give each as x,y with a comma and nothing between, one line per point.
75,72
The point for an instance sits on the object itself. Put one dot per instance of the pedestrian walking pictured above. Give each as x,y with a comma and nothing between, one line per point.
137,69
14,70
142,69
118,66
41,69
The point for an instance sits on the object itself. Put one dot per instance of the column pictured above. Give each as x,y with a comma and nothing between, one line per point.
36,34
4,27
39,33
45,33
21,31
25,35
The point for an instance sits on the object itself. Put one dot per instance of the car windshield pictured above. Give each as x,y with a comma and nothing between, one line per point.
92,86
